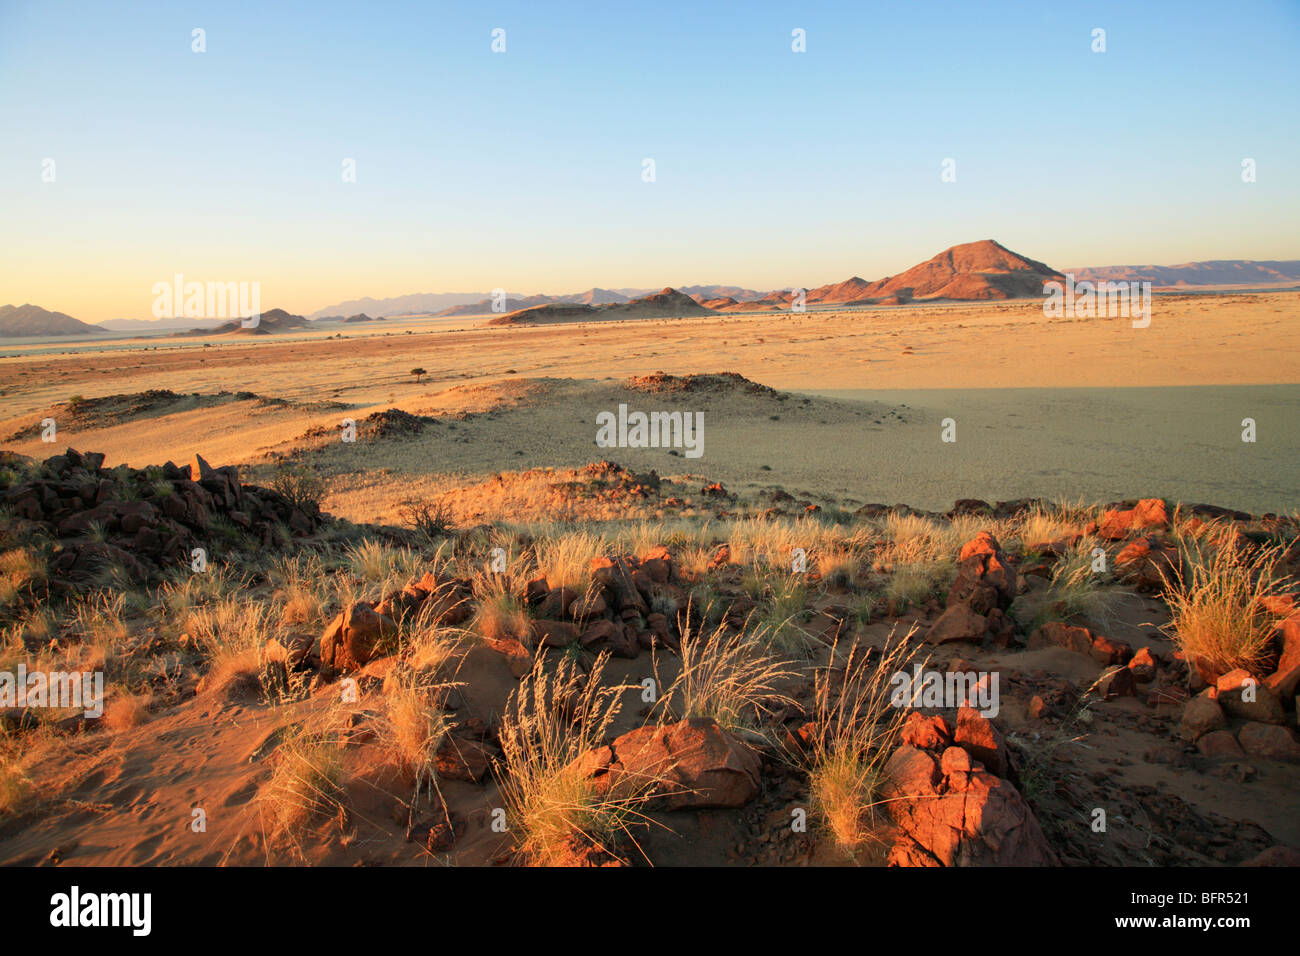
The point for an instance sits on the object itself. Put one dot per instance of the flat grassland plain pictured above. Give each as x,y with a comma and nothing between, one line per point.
1079,408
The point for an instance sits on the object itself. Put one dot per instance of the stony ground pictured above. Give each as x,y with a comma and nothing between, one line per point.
336,694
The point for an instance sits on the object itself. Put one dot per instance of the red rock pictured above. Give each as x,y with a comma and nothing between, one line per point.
1060,634
1148,513
1146,562
963,818
1037,708
1285,679
1107,650
517,657
1243,695
599,633
695,763
1270,742
926,733
958,623
460,759
1276,856
1116,682
1143,665
978,737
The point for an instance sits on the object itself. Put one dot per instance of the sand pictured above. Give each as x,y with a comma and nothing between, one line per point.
1077,408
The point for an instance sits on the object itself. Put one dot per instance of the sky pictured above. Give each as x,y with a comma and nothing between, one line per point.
523,169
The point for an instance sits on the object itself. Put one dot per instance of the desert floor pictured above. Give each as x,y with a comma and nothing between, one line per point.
1089,409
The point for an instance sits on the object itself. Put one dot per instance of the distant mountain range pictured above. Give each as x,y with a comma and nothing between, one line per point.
1245,272
20,320
968,272
269,322
665,304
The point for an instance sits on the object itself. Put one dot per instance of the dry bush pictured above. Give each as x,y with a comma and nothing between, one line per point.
729,676
306,783
565,559
549,721
414,727
857,728
1216,607
127,710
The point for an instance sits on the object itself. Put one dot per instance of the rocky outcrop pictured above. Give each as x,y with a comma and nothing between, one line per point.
951,811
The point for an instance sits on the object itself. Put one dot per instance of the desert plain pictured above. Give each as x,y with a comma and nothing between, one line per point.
472,636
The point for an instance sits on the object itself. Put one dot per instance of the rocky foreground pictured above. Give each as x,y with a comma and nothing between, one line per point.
629,652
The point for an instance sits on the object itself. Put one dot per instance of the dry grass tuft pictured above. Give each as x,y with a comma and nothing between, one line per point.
1216,608
857,729
730,677
549,721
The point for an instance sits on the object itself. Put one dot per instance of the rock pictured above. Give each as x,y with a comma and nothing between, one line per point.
1241,694
364,630
1060,634
552,633
695,764
461,759
958,623
977,736
517,657
962,817
1109,651
1148,513
985,578
926,733
1037,708
721,557
1276,856
1219,743
1284,682
200,469
1117,681
1143,666
1270,742
1146,562
1202,715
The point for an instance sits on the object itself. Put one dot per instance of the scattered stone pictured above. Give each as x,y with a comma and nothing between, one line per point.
1202,715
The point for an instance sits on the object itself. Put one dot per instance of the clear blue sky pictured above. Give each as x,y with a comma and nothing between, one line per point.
523,170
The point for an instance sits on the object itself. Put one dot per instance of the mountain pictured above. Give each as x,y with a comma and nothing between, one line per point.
668,303
416,303
1247,272
599,297
159,325
270,322
484,306
973,270
27,319
847,291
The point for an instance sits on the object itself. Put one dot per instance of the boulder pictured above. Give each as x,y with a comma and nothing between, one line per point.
977,736
1148,513
1219,743
693,764
1269,742
1202,715
1243,695
926,733
952,814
